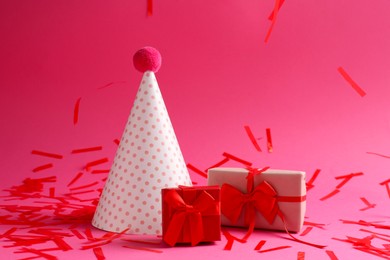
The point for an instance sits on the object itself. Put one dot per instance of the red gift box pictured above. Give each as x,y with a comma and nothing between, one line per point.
191,215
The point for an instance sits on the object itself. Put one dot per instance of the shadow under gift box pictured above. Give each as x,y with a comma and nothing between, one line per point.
289,185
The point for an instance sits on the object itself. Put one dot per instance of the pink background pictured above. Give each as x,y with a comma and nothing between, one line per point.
217,75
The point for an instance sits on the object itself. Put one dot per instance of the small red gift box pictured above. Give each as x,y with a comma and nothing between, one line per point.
191,215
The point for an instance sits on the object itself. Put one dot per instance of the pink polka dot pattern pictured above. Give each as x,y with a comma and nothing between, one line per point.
148,159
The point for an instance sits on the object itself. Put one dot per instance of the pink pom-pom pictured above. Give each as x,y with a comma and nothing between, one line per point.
147,58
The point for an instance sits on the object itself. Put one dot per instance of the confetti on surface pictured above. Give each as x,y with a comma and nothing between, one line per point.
274,249
144,249
301,255
354,85
252,138
378,154
387,184
43,167
230,240
269,140
86,150
317,225
260,244
306,231
98,251
331,194
234,158
368,204
196,170
76,111
51,155
346,178
331,255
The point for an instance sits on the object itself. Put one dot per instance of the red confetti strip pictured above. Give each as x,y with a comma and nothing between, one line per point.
196,170
148,242
317,225
375,233
99,171
43,167
346,178
61,244
349,175
89,235
77,234
84,186
51,155
110,84
272,14
94,163
78,176
386,183
220,163
260,245
269,140
275,14
309,184
8,232
330,195
76,111
378,154
354,85
98,251
331,255
143,249
234,158
86,150
365,223
252,138
230,240
116,141
368,204
52,192
306,231
37,252
301,255
150,8
274,249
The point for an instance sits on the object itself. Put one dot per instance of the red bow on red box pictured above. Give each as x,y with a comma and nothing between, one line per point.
186,219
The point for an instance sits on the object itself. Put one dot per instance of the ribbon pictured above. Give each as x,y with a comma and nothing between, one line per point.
263,199
252,172
187,219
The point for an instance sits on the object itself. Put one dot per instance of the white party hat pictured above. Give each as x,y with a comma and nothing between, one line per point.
148,159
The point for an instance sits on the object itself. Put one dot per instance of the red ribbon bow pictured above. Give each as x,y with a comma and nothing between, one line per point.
187,216
263,199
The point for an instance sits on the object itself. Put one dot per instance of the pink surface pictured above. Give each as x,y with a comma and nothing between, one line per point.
217,76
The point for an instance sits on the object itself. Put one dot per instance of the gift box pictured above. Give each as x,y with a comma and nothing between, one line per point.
271,199
191,214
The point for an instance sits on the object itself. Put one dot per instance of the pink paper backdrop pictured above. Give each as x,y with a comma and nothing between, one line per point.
217,75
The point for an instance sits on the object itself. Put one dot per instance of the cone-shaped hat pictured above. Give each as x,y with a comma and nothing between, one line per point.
148,159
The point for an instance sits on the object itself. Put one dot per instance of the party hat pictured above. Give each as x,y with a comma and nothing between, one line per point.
148,159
